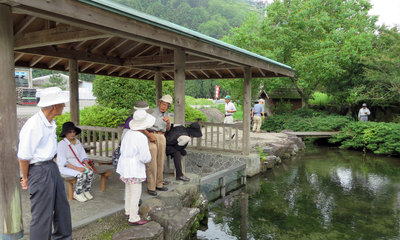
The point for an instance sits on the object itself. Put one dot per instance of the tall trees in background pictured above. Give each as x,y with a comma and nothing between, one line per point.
323,40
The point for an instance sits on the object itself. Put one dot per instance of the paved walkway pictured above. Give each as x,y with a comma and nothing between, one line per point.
103,204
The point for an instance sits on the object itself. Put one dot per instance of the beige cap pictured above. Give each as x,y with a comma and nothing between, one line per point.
166,98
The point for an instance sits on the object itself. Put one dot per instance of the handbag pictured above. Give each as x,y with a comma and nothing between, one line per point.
90,162
115,157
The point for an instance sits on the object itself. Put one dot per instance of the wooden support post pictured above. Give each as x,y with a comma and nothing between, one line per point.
179,86
158,80
10,197
244,204
74,91
246,110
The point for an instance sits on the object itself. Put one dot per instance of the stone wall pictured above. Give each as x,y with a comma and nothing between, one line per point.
207,162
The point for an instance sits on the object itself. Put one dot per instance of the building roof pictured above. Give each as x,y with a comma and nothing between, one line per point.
113,40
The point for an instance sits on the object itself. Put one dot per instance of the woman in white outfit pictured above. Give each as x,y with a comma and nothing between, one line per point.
72,161
135,154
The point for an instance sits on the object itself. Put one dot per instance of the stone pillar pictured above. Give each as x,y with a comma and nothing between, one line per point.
74,91
246,110
10,198
179,86
158,80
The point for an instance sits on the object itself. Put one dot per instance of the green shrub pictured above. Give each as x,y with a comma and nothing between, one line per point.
96,116
282,107
298,123
320,99
191,114
198,101
378,137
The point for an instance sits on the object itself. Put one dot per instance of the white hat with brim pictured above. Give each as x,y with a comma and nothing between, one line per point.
261,100
166,98
52,96
141,120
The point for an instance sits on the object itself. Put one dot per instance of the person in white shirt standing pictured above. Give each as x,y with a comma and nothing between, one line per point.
363,113
41,177
229,111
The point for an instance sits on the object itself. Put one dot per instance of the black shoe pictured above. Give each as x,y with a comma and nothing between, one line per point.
162,188
140,202
233,135
183,178
151,192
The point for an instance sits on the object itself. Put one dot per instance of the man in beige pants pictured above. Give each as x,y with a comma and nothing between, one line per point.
157,145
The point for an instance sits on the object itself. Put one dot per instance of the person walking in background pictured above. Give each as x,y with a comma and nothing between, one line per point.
73,161
41,177
256,113
135,153
363,113
157,148
229,111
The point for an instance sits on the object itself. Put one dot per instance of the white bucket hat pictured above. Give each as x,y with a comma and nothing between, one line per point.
141,120
52,96
166,98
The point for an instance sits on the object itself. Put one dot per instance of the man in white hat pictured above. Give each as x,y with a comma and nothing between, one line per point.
256,113
41,177
157,145
363,113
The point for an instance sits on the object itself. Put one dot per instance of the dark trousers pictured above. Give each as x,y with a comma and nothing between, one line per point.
49,204
178,164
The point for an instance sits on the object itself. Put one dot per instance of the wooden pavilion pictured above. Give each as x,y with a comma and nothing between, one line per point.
104,38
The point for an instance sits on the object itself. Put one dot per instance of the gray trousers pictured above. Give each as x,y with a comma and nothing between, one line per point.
364,118
49,204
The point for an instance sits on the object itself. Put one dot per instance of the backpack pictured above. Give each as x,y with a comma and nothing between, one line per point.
115,157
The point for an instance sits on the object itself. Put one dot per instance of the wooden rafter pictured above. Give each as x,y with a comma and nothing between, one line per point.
145,50
76,45
53,62
23,24
262,72
205,73
194,74
198,66
134,72
99,68
112,69
231,72
54,36
169,75
158,60
35,60
218,73
17,56
85,66
116,45
98,44
123,71
132,47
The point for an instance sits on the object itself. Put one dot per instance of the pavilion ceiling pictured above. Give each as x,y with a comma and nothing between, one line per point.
47,34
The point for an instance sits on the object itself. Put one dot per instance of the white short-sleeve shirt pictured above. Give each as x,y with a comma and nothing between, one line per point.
37,139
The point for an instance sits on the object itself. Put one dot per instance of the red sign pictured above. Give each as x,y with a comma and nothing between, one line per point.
216,92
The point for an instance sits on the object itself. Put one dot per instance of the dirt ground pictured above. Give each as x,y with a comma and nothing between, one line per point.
213,114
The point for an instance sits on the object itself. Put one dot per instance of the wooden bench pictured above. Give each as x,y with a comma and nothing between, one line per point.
100,159
104,171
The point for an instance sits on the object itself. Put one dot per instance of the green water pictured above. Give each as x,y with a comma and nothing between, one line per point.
324,194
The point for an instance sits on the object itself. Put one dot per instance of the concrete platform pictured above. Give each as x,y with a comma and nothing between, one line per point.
103,204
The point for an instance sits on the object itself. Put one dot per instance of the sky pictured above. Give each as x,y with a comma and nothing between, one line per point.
387,10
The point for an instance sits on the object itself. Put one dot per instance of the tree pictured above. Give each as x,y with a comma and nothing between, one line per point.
56,80
382,72
114,92
322,40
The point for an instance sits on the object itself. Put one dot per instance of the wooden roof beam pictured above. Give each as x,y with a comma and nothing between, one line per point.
21,26
123,71
144,74
112,69
54,36
134,72
35,60
169,75
150,75
194,74
262,72
205,73
71,54
98,44
231,72
131,48
53,62
116,45
161,59
218,73
17,56
197,66
99,68
85,66
145,50
76,45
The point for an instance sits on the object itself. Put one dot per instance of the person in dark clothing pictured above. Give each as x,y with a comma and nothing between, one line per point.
177,140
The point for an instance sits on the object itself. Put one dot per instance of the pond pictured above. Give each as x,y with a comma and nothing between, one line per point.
325,193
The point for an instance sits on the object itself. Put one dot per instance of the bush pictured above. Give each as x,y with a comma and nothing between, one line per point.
320,99
96,116
198,101
378,137
191,114
299,123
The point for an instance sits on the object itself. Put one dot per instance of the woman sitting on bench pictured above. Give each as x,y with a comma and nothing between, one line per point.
72,161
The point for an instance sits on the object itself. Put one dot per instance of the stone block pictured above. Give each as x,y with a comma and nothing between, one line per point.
188,194
149,231
149,205
201,203
268,150
171,199
176,222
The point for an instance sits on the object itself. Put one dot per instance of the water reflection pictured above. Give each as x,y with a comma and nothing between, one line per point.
327,194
